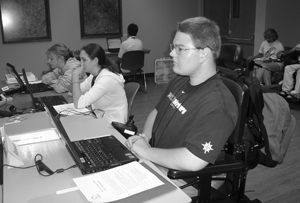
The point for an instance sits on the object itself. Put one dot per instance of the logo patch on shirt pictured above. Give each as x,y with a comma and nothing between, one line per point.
207,147
176,104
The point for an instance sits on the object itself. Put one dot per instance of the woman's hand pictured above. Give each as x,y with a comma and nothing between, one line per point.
54,81
75,65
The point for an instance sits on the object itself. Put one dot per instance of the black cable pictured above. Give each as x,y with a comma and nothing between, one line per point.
70,111
40,166
18,166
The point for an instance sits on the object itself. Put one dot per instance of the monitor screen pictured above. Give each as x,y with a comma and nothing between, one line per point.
113,43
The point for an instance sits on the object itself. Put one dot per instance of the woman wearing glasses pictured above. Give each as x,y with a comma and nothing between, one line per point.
267,57
104,88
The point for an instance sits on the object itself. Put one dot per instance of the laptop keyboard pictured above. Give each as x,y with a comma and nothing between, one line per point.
93,150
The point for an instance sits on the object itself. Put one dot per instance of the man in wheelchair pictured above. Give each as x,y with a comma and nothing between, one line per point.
197,112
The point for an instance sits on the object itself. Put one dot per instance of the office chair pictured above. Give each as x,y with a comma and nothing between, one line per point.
231,62
234,162
133,61
131,89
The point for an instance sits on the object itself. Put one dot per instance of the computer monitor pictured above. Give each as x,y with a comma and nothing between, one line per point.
113,44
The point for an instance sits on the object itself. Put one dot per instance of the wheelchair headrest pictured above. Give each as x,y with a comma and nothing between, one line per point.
231,53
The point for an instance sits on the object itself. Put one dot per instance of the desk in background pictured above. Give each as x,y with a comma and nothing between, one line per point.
114,56
26,185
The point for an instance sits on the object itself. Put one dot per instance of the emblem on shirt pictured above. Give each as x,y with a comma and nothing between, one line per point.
176,104
207,147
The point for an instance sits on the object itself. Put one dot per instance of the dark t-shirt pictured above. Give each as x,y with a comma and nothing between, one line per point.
200,118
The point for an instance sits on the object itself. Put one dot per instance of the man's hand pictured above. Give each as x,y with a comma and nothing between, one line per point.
138,144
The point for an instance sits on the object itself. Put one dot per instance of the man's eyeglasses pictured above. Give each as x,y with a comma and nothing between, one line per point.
179,49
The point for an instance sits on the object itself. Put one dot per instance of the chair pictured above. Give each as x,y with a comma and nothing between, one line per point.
131,89
133,61
234,162
231,61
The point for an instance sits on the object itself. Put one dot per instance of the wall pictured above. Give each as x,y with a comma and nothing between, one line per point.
281,16
284,18
157,21
260,19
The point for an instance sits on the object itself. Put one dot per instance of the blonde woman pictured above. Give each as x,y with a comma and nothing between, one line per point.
59,61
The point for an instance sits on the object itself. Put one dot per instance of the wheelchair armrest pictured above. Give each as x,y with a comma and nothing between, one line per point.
222,166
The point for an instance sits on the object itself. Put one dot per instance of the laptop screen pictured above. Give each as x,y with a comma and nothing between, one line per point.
113,43
12,70
27,84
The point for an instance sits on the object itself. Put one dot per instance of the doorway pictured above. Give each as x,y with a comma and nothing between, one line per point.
236,19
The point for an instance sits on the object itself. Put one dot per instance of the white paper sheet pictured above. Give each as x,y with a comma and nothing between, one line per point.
69,109
117,183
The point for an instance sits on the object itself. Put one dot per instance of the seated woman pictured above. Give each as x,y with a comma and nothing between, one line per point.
104,88
267,57
61,75
288,82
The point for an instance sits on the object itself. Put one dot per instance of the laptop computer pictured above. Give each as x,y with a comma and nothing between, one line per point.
38,87
38,102
113,44
93,154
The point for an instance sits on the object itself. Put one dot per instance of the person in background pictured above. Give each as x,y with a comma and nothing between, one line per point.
131,44
288,83
103,88
58,61
197,113
268,56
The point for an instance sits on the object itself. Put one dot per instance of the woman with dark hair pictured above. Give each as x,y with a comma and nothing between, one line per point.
59,61
267,57
104,88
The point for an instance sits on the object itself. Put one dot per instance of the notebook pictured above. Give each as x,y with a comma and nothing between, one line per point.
93,154
113,44
38,102
38,87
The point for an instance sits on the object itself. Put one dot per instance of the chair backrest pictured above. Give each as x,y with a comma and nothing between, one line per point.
241,94
133,60
230,53
131,89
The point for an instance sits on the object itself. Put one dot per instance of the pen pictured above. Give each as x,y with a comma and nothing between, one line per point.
93,112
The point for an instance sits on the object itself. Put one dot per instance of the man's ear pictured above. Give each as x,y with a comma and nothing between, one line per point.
205,54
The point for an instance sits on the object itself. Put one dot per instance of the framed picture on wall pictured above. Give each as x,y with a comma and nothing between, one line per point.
25,21
100,18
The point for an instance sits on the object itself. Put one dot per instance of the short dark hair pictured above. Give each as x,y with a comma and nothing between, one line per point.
204,33
94,50
271,33
132,29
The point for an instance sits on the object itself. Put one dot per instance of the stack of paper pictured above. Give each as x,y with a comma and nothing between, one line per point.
10,78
